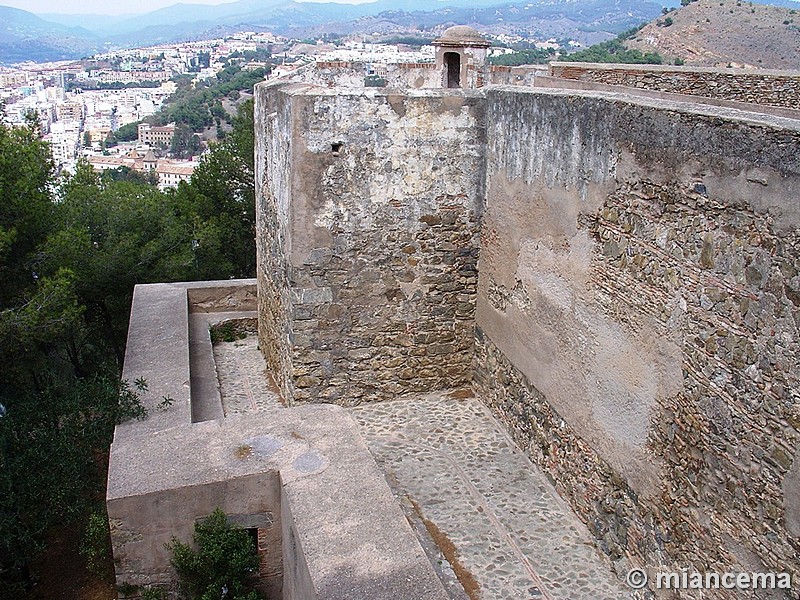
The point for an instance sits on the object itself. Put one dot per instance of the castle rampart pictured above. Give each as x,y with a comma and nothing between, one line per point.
637,315
773,88
369,277
638,319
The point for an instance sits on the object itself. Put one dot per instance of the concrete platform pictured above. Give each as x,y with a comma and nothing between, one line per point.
327,525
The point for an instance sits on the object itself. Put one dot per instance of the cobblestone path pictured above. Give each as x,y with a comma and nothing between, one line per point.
512,534
244,384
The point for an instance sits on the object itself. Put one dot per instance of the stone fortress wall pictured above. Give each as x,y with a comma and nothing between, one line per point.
635,312
769,88
638,316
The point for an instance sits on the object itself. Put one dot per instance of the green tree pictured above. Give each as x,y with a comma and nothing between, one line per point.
49,472
26,208
222,191
113,235
184,142
221,566
128,132
614,51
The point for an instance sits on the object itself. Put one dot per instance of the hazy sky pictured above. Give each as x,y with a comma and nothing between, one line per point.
111,7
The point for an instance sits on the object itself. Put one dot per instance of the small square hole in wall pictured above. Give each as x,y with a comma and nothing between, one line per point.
336,147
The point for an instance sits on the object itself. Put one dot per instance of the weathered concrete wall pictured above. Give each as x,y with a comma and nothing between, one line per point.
143,525
638,313
379,227
774,88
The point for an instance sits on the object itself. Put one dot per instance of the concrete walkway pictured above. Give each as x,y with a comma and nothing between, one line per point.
490,521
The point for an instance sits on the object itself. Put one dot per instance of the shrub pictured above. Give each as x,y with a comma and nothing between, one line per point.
94,545
227,331
223,564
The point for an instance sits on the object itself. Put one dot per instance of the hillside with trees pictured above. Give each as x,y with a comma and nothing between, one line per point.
614,51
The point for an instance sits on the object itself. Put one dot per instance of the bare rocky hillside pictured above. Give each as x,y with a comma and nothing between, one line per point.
721,33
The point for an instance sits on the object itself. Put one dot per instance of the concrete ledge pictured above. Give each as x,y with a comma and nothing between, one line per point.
546,81
330,522
751,115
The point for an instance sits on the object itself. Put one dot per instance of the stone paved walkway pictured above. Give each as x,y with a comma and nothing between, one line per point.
511,531
492,524
243,381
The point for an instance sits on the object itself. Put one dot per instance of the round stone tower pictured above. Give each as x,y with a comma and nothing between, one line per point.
461,57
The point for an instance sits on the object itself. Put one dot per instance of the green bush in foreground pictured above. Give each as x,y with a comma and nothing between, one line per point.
223,565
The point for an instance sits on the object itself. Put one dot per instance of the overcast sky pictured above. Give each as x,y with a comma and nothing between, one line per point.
110,7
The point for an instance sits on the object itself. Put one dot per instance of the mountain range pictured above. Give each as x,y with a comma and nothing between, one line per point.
26,36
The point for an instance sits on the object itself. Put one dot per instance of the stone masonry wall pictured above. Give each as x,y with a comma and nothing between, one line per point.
773,88
638,321
381,241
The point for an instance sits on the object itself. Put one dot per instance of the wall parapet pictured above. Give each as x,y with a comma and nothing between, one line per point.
639,319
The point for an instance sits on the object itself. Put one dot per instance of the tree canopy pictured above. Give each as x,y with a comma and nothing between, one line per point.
614,51
71,251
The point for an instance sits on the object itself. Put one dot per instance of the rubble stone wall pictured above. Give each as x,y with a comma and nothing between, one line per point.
354,75
379,241
773,88
274,123
638,321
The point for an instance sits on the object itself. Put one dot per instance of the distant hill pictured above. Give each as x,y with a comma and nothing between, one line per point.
721,33
24,36
706,32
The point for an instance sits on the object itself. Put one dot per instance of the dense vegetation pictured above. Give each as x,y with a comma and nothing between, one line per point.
614,51
199,105
533,56
71,251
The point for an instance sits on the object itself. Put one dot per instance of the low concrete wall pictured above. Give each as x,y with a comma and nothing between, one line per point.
326,517
638,313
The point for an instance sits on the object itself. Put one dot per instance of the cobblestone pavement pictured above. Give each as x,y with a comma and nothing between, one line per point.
244,384
511,531
484,513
